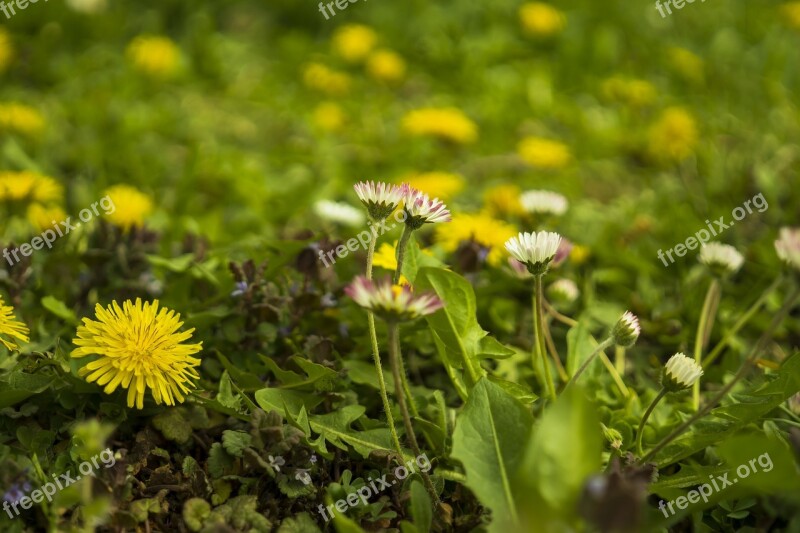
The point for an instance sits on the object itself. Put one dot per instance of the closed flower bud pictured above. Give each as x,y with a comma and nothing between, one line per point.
680,373
626,330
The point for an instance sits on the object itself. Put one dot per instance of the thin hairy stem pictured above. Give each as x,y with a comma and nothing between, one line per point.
600,347
704,328
644,420
538,341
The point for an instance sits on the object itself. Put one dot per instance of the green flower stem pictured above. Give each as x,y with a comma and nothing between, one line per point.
376,356
744,319
551,348
401,254
704,328
394,361
538,341
614,374
600,347
619,360
644,420
747,365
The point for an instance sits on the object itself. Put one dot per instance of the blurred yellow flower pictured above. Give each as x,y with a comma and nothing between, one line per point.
504,200
27,185
42,217
579,254
354,42
445,122
544,153
688,65
541,20
130,206
154,55
482,228
673,136
386,257
385,65
22,119
321,78
442,185
6,49
790,12
328,116
11,327
629,91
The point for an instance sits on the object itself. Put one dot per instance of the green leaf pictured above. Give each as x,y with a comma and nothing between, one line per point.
363,373
415,259
456,326
235,442
173,425
279,400
335,427
58,308
220,462
489,440
580,344
748,407
299,523
564,450
421,507
226,397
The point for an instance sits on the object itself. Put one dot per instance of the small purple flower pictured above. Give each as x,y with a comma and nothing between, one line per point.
16,493
313,459
276,462
241,288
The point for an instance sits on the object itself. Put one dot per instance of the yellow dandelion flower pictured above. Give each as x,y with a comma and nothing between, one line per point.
328,117
6,50
790,13
688,65
385,65
447,123
130,206
11,327
579,254
42,217
482,228
354,42
442,185
154,55
503,200
544,153
673,136
27,185
22,119
386,257
323,79
632,92
541,20
139,347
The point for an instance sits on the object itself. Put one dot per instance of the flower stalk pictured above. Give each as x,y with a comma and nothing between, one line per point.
647,413
704,328
538,352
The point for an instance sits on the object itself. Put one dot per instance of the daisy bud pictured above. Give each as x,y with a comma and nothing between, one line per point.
420,209
393,303
680,373
544,203
626,330
380,199
339,213
788,246
721,259
563,291
535,250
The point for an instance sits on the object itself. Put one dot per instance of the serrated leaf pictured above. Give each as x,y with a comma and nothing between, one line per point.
235,442
173,425
58,308
219,461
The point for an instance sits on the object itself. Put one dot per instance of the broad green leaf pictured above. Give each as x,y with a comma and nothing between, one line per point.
335,427
564,450
363,373
489,440
279,400
416,259
421,507
723,422
58,308
456,326
235,442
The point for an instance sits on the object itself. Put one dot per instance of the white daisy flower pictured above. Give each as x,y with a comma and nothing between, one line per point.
536,250
379,198
420,209
393,303
544,202
788,246
339,213
721,258
626,330
563,290
680,373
